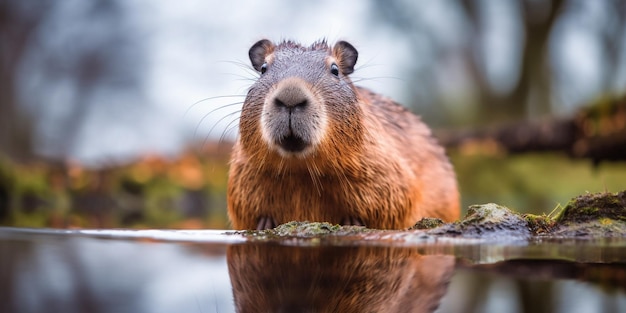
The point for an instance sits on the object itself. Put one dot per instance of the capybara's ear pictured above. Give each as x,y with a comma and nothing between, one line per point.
347,56
259,51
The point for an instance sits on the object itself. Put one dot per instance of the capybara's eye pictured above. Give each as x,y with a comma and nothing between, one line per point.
263,68
334,69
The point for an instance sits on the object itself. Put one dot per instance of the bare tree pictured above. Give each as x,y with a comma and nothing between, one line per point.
19,23
58,60
534,92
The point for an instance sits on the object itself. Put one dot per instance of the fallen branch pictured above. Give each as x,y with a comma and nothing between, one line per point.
597,133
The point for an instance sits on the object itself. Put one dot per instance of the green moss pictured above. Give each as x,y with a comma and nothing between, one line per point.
309,230
486,221
586,216
539,224
594,207
606,221
593,215
305,229
428,223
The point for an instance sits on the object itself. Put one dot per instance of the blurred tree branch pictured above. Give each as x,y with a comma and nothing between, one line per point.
597,132
534,77
540,86
57,60
19,22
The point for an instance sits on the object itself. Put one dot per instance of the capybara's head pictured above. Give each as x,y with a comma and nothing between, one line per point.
303,104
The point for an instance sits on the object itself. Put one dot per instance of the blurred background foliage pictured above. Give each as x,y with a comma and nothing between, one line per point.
98,126
187,191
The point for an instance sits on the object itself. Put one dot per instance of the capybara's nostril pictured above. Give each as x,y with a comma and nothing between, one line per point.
291,96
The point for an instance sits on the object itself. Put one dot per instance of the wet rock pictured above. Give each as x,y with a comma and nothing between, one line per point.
595,207
428,223
586,216
592,216
305,230
539,224
486,221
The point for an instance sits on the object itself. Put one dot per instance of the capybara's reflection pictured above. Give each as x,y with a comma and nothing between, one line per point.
278,278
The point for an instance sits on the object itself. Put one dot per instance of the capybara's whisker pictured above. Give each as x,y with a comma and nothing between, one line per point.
211,98
211,112
230,126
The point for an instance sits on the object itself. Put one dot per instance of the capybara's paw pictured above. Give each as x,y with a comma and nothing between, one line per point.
352,221
265,222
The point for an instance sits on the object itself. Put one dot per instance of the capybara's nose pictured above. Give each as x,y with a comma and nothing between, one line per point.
291,96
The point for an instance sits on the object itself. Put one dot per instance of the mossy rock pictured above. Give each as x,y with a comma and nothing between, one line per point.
539,224
487,221
587,216
305,230
593,215
428,223
599,215
597,206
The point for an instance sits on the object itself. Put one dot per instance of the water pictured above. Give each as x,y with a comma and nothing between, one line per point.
210,271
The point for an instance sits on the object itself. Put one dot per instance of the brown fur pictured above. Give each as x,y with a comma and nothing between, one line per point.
367,159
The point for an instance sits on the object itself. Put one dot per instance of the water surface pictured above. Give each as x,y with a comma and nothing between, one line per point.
211,271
